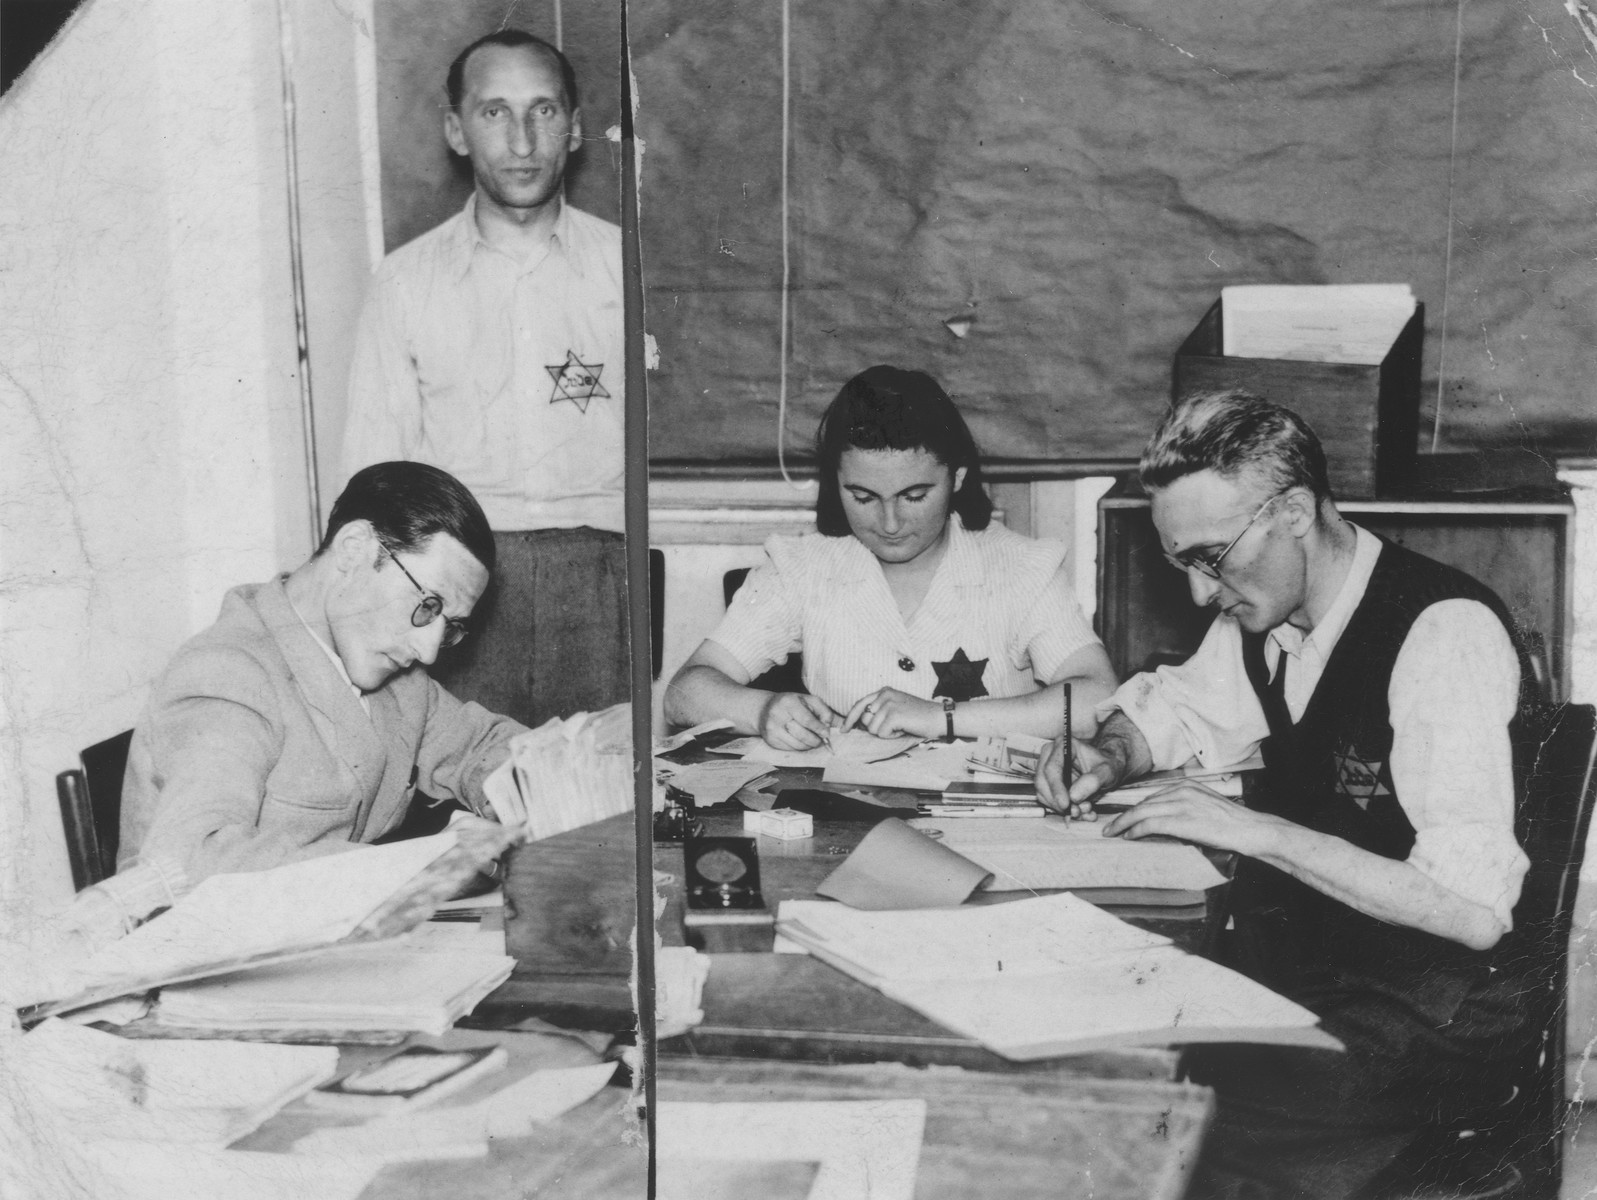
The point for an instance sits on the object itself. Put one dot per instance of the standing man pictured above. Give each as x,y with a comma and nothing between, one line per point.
1380,868
491,346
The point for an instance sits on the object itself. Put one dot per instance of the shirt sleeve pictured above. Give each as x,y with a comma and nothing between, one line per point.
383,420
763,624
461,745
1204,708
1454,690
1053,629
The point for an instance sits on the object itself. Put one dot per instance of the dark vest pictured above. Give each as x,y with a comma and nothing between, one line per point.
1331,772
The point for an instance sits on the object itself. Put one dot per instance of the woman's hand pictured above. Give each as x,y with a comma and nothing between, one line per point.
888,712
795,721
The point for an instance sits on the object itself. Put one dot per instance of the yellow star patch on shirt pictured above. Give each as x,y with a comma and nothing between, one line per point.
576,381
1358,778
960,678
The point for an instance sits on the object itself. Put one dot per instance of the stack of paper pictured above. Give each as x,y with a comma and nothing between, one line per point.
231,921
351,989
1013,754
195,1092
1047,976
1349,323
567,773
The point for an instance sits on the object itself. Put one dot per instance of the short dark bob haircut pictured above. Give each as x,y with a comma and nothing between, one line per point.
890,408
409,502
455,82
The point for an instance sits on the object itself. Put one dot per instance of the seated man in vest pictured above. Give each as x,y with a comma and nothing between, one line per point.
1379,866
304,720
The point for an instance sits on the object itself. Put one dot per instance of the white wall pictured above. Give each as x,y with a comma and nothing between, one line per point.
152,454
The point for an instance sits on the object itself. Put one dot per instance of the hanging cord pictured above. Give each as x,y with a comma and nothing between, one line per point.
787,271
1447,262
296,255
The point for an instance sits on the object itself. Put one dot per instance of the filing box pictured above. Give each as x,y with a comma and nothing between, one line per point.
1367,417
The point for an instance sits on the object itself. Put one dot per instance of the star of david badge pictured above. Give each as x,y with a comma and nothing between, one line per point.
959,678
576,381
1358,778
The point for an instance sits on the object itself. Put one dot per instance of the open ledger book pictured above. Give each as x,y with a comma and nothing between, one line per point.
233,921
1046,976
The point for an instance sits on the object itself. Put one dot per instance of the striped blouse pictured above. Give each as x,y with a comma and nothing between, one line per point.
1003,599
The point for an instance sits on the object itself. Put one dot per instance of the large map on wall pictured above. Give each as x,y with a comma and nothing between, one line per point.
1071,183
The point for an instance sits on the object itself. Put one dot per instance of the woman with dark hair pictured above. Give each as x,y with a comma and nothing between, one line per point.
914,612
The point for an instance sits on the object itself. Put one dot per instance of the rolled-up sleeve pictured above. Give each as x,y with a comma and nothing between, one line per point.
1454,690
461,746
1052,630
1204,709
763,624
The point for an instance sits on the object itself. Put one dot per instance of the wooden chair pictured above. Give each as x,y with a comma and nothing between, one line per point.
1519,1152
785,676
91,809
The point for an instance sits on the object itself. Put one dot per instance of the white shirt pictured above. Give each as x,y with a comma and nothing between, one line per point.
1002,599
1453,691
506,373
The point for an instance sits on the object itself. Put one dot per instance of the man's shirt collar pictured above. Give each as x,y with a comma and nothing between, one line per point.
468,240
332,657
1322,639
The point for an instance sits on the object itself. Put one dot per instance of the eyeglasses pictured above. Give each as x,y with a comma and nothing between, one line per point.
430,608
1209,565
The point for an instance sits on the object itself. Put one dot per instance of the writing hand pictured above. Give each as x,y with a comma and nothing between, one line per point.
796,721
1094,773
888,712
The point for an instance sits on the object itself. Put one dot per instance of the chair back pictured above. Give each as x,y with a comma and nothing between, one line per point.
1520,1152
91,809
1557,759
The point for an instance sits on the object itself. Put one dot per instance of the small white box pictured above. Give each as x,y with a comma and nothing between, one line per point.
751,820
787,824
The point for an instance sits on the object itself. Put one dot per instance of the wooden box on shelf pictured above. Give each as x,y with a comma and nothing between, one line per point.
1367,417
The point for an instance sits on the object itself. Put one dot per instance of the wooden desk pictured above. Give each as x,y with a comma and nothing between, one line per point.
796,1008
1016,1136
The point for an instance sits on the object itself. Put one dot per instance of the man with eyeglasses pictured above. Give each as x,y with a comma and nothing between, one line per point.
304,720
1379,865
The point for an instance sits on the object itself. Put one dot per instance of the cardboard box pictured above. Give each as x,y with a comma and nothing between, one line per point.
1367,417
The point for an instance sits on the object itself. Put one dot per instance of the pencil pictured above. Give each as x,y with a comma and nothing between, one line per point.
1070,757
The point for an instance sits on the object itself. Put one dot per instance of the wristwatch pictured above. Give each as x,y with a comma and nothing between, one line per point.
948,715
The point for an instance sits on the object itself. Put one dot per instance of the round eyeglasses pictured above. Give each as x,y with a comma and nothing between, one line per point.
1209,564
430,608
